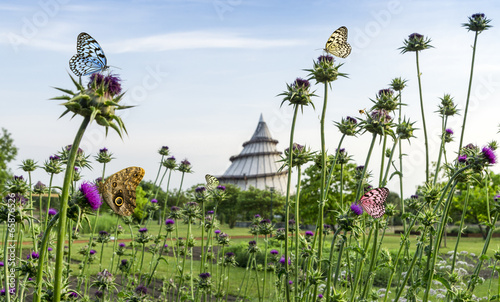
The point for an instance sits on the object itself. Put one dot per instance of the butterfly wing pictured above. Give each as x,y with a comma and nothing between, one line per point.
90,57
337,43
118,191
212,182
373,202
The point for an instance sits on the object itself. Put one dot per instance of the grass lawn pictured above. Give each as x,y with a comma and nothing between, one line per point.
236,275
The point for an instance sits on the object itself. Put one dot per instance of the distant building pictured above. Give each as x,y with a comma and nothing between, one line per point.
257,165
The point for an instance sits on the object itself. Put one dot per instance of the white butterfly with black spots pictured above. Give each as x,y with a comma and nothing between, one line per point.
337,43
89,58
212,182
373,202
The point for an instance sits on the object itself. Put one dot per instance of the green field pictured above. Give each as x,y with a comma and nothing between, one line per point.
242,235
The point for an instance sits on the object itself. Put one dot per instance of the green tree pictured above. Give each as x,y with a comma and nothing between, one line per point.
8,153
477,209
310,190
227,210
257,201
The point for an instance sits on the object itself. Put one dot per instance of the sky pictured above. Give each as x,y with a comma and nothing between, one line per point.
201,72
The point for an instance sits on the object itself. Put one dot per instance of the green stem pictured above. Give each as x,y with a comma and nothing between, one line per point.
37,295
297,234
459,235
389,162
159,169
63,210
468,91
435,250
360,185
6,263
441,149
330,263
115,244
287,202
48,201
382,161
180,190
373,259
423,121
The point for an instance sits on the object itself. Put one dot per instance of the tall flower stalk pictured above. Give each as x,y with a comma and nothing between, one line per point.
416,43
298,96
477,23
97,103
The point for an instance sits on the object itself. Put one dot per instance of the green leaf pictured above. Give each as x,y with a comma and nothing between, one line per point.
442,281
65,90
483,257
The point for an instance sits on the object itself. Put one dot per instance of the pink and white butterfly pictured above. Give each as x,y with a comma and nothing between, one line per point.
373,202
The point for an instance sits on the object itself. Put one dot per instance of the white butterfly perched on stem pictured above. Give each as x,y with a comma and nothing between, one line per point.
337,43
373,202
212,182
89,58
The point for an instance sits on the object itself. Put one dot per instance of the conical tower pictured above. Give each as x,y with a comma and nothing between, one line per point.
257,165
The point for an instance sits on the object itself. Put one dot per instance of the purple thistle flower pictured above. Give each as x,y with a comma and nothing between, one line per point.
98,293
205,276
35,255
186,162
50,249
229,254
169,221
110,82
351,120
360,168
18,177
462,159
489,155
92,252
141,290
478,16
291,222
263,221
385,91
124,261
210,212
52,212
301,83
414,196
326,59
252,243
91,193
357,209
143,230
496,198
121,244
165,246
200,189
320,296
309,233
274,252
290,282
217,232
221,188
154,201
327,226
73,295
449,131
103,233
174,209
415,36
103,150
256,216
2,264
54,158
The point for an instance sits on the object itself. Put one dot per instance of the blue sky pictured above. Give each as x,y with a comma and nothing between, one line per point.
201,72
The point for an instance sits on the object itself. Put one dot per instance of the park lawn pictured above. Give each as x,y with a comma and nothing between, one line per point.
236,275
